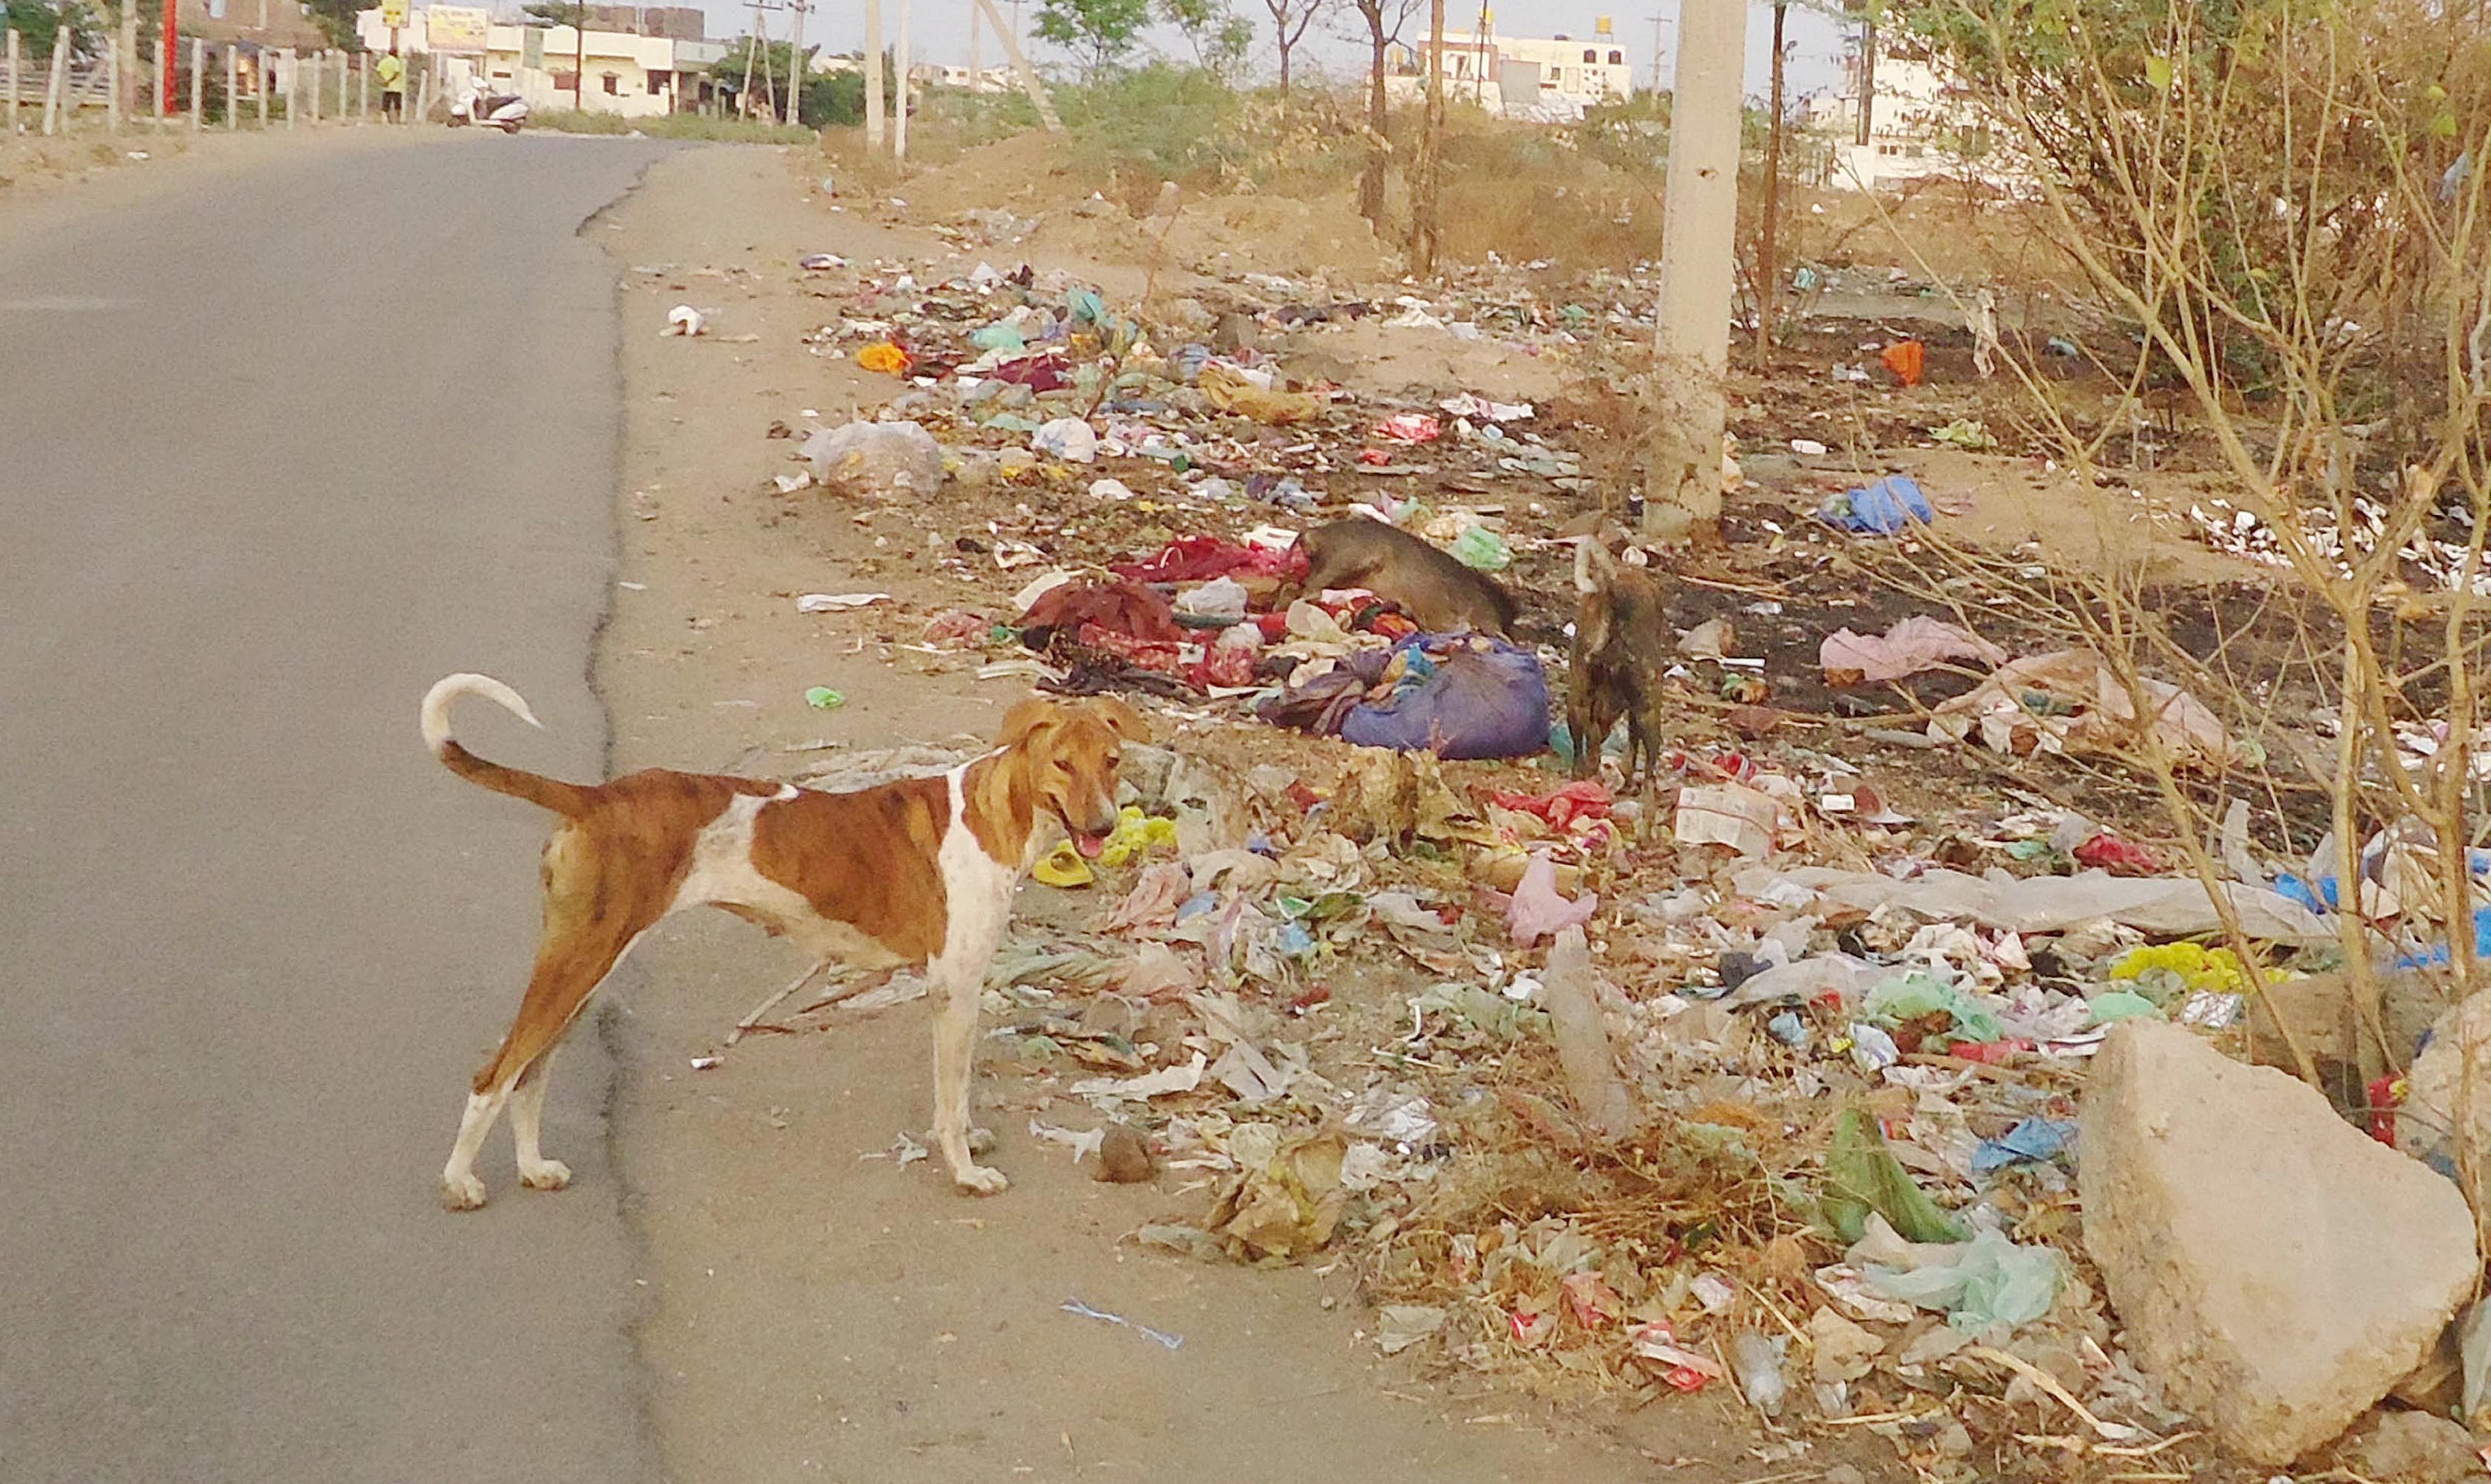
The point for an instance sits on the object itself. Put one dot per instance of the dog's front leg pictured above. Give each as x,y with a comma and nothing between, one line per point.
956,1036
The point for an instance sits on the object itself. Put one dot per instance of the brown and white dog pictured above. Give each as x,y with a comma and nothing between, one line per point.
918,873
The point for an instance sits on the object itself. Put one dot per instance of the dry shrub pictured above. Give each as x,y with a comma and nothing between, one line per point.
2271,196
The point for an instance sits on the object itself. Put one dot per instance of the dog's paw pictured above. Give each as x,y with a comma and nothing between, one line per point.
463,1194
545,1175
982,1181
982,1141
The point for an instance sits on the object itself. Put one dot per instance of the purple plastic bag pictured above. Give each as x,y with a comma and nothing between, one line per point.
1487,699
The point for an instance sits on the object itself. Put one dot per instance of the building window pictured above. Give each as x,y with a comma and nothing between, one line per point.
1617,59
656,83
1591,55
614,84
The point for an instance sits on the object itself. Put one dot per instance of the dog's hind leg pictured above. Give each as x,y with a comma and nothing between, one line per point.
594,908
527,1114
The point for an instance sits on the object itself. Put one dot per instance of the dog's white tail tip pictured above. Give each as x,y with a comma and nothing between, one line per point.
450,688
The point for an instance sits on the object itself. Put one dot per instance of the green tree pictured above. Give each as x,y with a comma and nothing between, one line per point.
1219,36
1105,31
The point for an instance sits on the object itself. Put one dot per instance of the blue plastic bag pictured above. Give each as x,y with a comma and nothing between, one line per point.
1464,696
1881,508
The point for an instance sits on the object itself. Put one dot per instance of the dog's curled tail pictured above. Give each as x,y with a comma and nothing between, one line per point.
564,799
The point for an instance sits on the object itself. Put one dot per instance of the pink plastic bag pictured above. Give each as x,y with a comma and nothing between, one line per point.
1538,911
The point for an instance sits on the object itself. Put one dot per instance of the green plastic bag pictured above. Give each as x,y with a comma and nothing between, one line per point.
1992,1282
1862,1176
1915,995
2118,1004
1483,550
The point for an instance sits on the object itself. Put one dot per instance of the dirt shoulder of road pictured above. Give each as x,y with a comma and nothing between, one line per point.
818,1308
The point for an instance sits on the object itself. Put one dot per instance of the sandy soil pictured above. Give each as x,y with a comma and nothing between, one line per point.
816,1310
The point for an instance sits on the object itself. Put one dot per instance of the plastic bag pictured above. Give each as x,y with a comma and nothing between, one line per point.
884,357
1480,697
1481,550
1537,911
1862,1176
1070,439
1915,644
876,459
1991,1281
1882,507
1916,995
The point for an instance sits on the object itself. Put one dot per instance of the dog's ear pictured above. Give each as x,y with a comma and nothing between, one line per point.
1121,718
1025,718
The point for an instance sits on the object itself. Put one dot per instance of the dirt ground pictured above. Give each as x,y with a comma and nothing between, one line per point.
817,1310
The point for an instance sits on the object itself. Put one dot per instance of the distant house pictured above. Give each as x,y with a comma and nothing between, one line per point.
1542,78
1920,124
630,74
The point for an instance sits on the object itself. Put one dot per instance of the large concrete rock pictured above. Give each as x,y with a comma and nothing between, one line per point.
2275,1271
2441,1116
2411,1447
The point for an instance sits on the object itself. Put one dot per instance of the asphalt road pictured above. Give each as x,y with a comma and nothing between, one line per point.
279,447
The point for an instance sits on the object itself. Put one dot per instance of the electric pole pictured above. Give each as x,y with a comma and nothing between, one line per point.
1699,248
899,123
795,66
873,74
1657,22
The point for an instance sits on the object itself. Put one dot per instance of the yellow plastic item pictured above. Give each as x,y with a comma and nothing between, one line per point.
1135,834
884,357
2201,969
1063,867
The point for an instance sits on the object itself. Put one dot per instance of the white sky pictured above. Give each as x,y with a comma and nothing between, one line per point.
941,33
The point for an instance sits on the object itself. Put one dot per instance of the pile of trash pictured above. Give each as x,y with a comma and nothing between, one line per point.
1795,1073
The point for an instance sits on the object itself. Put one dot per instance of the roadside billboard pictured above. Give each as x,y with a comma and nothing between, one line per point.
457,28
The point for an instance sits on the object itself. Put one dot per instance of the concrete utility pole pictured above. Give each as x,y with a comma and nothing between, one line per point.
873,74
899,121
1699,247
1030,83
796,64
975,81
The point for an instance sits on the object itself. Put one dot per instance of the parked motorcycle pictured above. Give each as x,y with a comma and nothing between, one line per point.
505,111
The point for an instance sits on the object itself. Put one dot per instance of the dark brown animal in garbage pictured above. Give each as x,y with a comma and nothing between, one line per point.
1623,644
1439,593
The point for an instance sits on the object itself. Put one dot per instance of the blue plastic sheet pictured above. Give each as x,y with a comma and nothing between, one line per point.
1881,509
2029,1142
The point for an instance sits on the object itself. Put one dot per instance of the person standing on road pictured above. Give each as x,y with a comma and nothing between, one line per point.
392,71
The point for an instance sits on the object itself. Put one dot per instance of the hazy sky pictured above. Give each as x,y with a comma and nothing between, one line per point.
940,32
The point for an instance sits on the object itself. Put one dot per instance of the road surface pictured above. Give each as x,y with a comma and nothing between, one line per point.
282,447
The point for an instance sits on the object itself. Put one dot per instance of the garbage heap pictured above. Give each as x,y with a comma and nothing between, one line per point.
1840,1069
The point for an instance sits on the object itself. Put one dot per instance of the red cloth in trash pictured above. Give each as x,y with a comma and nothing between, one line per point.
1587,799
2119,858
1908,359
1224,665
1126,608
1202,558
1041,372
1141,654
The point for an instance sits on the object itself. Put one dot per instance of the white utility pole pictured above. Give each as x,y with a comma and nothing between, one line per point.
1699,247
873,74
796,67
899,121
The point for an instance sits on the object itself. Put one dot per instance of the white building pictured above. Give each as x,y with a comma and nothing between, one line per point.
1920,125
1543,78
636,76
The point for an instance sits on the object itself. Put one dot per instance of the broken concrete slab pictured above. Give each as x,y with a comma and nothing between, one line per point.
2447,1100
2277,1271
2411,1447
